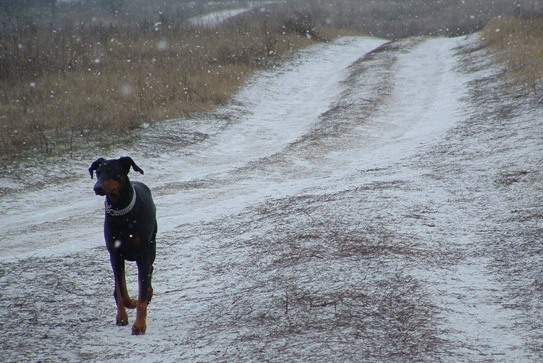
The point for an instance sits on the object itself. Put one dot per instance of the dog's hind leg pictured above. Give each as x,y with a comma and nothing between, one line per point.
121,293
127,301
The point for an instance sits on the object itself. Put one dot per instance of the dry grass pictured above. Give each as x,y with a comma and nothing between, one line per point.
64,87
519,44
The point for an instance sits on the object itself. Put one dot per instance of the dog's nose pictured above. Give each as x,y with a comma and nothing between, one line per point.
98,189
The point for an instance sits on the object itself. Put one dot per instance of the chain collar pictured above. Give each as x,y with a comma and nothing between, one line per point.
124,211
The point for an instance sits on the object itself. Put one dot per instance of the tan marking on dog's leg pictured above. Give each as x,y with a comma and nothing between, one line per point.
149,293
128,302
140,325
122,317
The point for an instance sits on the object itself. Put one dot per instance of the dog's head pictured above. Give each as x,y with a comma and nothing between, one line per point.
112,175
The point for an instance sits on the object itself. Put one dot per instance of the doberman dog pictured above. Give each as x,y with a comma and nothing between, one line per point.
130,229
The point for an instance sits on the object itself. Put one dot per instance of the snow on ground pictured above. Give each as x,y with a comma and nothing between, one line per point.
367,201
217,17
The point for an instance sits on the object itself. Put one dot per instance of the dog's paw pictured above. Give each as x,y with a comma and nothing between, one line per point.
122,319
139,328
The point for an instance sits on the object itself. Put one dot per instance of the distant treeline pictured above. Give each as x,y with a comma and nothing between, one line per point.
46,12
20,7
390,19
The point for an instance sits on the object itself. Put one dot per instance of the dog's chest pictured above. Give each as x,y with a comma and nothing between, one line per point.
123,237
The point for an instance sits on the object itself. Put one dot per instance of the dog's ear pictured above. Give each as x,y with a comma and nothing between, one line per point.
94,166
127,162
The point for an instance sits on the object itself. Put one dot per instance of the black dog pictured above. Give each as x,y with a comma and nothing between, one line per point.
130,230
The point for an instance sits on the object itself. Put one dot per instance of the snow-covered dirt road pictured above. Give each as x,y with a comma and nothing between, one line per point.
366,201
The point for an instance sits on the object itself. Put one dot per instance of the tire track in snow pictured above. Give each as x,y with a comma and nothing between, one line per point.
273,111
468,294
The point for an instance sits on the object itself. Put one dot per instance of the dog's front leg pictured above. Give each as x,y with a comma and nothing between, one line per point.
145,292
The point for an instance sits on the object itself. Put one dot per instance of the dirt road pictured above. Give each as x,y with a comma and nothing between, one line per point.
367,201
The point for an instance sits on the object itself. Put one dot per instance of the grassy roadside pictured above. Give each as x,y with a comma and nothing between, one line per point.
518,43
63,88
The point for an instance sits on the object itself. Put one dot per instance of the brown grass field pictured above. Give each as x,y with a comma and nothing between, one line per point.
519,44
63,87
